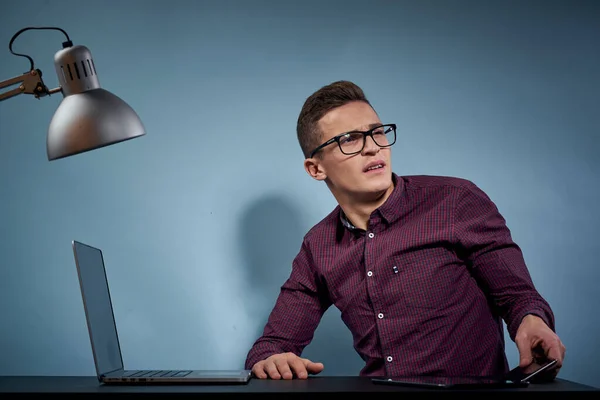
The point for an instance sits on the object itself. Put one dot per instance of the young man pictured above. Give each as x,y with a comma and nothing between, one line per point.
422,268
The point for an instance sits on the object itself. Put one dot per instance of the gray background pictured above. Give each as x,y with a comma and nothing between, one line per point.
200,219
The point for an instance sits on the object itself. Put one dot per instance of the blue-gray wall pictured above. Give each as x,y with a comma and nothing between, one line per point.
200,219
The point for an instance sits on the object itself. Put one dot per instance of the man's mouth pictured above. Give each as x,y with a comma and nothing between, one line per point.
374,166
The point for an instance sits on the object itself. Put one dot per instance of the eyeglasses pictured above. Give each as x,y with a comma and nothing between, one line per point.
354,142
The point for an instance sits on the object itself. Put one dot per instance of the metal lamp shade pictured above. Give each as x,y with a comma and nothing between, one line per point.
90,120
88,117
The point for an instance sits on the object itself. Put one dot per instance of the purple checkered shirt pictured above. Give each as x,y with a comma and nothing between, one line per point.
423,290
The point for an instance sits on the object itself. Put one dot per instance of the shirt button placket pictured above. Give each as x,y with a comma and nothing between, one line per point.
370,235
389,358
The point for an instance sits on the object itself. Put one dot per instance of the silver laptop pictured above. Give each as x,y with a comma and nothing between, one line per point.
103,332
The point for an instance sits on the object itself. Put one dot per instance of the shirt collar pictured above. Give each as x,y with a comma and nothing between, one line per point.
389,211
345,222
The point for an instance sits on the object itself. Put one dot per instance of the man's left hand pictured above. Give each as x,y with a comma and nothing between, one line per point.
536,341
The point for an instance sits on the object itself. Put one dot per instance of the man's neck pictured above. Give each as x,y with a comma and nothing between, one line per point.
358,213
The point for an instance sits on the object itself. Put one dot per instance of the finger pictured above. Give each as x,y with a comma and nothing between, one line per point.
284,368
315,368
297,365
554,352
259,370
312,367
525,353
272,370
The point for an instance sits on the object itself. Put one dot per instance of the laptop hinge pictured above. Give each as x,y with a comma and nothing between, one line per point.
111,373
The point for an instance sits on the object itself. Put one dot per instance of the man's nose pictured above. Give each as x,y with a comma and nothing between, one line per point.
370,146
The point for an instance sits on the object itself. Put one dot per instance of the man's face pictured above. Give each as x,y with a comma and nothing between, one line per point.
352,176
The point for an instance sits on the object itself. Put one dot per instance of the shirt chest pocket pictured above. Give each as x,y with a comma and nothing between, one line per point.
426,280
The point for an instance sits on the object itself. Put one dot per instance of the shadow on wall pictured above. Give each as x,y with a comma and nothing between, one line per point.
270,236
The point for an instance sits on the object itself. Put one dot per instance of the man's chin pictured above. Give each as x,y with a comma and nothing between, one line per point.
377,187
378,183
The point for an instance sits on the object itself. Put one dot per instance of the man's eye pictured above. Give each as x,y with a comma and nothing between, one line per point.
347,139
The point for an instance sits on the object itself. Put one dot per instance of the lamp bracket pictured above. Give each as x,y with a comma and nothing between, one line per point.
29,83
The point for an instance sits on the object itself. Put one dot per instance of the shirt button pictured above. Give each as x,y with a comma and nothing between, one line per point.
389,358
380,315
371,235
370,273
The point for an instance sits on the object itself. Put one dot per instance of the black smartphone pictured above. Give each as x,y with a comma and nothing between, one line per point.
519,374
437,382
516,378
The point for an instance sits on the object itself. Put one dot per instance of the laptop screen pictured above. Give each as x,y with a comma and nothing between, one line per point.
98,308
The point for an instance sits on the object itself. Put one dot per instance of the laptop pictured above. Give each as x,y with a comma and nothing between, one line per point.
105,341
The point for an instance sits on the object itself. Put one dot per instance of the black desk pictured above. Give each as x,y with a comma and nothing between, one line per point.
256,388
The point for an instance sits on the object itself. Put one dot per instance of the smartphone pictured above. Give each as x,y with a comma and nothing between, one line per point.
519,374
431,382
516,378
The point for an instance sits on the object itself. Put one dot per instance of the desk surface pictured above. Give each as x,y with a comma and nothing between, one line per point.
256,387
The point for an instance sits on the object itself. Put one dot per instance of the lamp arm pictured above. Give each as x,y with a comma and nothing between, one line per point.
29,83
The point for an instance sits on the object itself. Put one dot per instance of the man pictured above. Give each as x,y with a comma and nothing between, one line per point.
422,268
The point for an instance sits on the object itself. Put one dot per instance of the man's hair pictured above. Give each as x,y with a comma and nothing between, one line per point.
322,101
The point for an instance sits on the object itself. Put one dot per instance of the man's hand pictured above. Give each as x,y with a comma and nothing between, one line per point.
286,366
536,341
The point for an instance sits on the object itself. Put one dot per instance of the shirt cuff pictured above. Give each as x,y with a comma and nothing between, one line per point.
538,312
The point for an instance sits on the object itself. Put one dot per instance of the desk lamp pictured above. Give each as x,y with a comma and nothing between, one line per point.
88,116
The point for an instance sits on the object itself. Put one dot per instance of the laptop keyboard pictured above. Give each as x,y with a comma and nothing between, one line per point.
162,374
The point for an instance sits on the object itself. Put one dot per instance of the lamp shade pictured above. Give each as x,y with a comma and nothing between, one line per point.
89,120
88,117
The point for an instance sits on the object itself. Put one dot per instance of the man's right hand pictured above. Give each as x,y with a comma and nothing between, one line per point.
285,366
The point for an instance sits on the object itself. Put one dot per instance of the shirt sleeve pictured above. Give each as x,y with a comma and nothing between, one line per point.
298,310
496,261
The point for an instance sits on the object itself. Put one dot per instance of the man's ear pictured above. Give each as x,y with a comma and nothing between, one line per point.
314,168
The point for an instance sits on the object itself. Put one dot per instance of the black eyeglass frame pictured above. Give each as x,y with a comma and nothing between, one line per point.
336,139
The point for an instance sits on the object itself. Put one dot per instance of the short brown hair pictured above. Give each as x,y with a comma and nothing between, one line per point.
322,101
